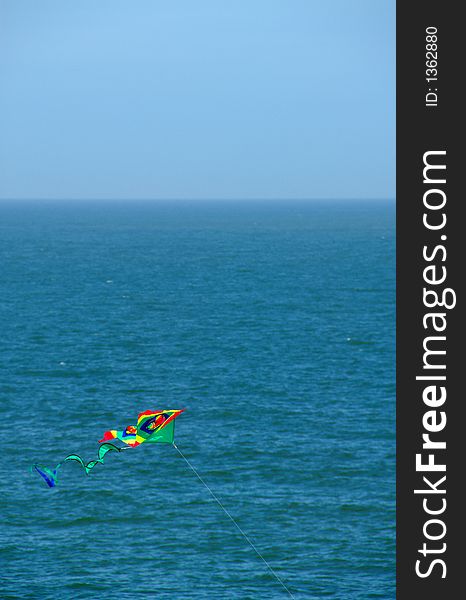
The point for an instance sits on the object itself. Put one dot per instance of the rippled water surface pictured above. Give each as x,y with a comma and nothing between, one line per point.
273,325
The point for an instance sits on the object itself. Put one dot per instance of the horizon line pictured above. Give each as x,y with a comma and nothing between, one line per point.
198,199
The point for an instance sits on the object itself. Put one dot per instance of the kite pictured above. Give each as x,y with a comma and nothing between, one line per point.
153,426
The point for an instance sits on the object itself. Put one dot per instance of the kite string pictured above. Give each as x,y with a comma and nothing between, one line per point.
280,581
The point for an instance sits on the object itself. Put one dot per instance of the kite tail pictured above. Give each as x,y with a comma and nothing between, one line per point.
103,449
50,475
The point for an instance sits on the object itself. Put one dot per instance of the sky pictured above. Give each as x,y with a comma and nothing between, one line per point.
208,99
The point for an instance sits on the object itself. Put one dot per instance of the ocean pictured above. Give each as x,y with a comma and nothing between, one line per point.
273,325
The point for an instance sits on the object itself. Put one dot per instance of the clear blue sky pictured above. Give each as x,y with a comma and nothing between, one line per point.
197,99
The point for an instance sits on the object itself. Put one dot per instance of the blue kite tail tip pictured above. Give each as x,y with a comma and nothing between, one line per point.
49,480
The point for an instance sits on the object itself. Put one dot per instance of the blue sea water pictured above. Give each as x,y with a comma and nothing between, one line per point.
273,324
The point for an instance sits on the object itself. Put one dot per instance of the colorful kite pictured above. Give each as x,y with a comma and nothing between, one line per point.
153,426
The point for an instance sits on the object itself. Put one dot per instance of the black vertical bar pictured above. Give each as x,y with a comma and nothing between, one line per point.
429,120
